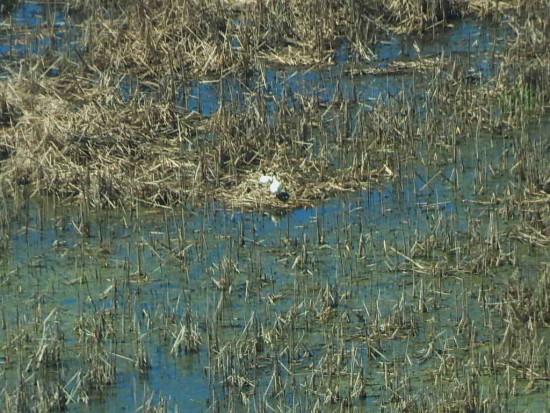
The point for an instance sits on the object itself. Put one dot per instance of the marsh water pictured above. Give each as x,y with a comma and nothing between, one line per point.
311,277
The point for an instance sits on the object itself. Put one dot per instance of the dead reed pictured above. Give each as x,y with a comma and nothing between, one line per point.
190,37
77,136
83,141
439,305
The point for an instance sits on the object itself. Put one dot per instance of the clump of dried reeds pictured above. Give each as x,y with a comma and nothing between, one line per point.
77,139
191,37
81,139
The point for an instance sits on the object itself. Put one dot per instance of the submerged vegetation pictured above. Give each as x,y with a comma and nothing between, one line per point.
141,257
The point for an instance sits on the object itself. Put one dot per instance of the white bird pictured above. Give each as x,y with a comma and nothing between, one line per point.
275,186
266,179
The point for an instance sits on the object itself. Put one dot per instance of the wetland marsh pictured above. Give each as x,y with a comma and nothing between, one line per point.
144,268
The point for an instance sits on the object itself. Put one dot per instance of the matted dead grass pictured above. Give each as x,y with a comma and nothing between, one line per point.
195,37
77,139
74,136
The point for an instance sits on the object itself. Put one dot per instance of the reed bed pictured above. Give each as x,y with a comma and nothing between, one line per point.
429,291
83,141
76,136
186,38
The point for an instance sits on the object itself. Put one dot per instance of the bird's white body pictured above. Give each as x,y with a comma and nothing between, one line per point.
275,186
266,179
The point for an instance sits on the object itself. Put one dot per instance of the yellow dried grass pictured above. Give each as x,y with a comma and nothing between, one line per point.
81,140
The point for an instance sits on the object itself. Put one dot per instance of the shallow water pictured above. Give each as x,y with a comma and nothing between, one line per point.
75,275
37,28
315,274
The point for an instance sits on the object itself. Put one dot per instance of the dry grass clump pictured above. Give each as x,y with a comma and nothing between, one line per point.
528,59
188,37
179,36
295,145
417,16
197,37
77,138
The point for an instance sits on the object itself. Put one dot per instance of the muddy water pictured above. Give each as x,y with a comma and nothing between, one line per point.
147,270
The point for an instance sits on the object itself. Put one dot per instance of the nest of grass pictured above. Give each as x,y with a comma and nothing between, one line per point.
304,186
